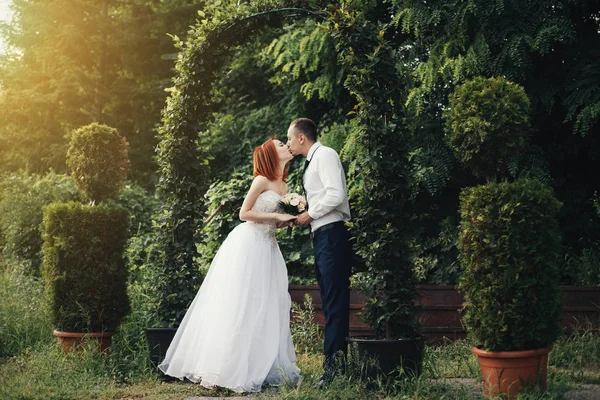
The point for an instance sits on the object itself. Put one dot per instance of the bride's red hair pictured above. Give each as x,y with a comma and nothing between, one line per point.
266,161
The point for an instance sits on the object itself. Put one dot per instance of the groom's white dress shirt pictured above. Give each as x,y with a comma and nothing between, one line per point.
325,185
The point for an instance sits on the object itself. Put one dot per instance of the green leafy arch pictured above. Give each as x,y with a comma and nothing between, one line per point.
375,151
183,167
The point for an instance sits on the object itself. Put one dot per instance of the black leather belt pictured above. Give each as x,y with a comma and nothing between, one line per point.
325,228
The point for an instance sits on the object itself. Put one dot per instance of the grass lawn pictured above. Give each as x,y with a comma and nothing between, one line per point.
32,366
450,373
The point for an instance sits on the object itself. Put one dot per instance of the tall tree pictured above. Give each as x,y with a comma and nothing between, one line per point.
78,61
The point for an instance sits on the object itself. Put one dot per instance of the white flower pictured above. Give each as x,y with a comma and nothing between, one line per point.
293,203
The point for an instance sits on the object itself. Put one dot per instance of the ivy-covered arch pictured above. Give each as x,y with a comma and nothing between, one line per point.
182,165
375,150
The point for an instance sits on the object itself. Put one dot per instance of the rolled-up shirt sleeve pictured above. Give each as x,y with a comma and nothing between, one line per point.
330,172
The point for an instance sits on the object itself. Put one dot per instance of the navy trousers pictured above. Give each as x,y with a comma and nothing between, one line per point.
333,257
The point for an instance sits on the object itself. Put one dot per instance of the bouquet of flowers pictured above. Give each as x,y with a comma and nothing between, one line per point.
293,203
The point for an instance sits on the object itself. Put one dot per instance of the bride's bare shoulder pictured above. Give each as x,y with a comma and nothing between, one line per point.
260,178
260,182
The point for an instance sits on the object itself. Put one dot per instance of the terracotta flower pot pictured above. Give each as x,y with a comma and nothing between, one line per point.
510,372
73,340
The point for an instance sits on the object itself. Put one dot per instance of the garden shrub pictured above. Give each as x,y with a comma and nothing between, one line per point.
84,267
582,268
376,153
143,256
509,243
223,200
141,205
22,198
435,259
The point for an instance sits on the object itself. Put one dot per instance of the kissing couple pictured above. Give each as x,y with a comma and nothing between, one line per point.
236,332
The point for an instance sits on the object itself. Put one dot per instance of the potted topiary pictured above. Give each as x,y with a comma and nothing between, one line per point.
84,268
376,151
508,240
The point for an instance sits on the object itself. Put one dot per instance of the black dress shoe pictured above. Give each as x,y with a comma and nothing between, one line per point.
324,380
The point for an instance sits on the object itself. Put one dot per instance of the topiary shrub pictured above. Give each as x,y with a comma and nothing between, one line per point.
509,242
486,122
84,269
98,161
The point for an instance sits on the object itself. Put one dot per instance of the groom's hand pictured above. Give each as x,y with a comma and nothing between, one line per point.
303,219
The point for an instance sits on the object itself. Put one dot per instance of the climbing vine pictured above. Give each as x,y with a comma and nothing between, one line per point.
376,151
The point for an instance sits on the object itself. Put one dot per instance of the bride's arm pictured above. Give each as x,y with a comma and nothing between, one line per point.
259,185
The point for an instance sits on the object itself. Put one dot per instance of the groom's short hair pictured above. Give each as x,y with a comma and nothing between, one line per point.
306,126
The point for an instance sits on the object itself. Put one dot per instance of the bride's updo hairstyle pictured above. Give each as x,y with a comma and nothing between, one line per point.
266,161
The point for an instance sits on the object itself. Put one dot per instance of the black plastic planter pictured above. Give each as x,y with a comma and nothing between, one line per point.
386,358
159,340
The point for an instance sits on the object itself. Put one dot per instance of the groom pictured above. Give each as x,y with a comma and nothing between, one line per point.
325,185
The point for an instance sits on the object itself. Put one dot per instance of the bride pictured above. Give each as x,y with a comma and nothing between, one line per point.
236,332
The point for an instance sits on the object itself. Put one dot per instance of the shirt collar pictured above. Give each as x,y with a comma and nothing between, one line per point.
312,150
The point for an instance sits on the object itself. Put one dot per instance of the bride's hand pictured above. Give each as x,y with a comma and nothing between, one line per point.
284,224
285,219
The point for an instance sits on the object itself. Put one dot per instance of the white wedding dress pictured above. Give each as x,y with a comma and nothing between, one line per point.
236,333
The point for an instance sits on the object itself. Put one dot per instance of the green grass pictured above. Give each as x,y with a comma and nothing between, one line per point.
24,318
48,373
576,359
33,366
452,360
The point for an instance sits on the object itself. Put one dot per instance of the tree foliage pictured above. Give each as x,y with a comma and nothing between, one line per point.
378,98
503,38
74,62
550,49
257,94
306,53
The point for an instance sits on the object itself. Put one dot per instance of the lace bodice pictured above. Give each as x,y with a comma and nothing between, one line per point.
267,202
